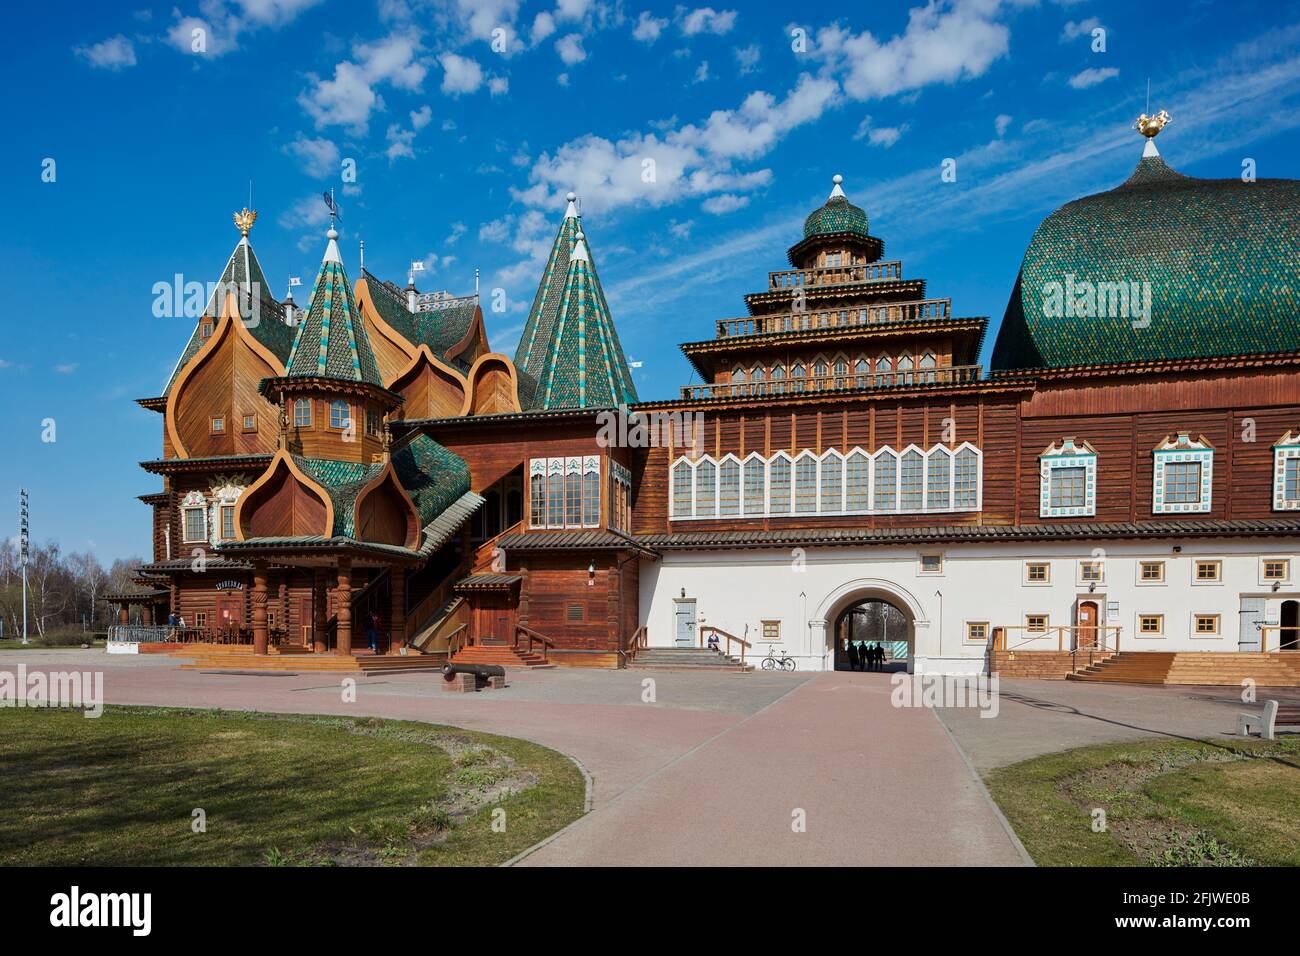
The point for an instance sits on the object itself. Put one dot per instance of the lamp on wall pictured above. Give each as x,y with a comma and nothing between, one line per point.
1092,588
591,574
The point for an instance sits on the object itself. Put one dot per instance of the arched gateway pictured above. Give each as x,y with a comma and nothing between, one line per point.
867,609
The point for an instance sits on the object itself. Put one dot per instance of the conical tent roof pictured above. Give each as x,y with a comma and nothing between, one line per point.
331,341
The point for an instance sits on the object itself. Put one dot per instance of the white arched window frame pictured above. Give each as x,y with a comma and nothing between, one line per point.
683,489
805,484
591,491
755,487
861,369
758,375
194,517
938,480
729,487
798,376
706,488
911,480
779,484
884,481
857,482
927,365
967,478
830,484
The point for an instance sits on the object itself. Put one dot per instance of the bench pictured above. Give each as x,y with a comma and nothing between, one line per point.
1267,723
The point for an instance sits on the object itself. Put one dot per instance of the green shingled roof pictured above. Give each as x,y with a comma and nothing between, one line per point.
439,328
1217,255
331,341
342,481
434,476
569,355
266,323
837,215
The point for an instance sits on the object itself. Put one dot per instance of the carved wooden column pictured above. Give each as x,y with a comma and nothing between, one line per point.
318,611
124,613
397,611
146,614
343,607
259,607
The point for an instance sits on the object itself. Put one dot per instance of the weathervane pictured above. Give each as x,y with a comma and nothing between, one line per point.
1149,126
244,220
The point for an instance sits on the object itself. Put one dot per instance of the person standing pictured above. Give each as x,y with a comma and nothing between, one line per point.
855,659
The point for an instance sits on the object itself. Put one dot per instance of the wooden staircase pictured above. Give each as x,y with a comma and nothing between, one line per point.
1195,667
240,657
504,654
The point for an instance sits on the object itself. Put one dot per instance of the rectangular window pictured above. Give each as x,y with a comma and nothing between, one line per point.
555,493
1151,572
754,472
218,425
977,632
373,424
706,490
302,413
1207,624
831,473
1090,571
771,630
931,564
201,619
682,499
1183,482
250,423
886,483
573,498
1291,480
1276,570
1208,570
729,488
1068,487
1038,572
228,522
194,524
936,484
856,480
779,490
340,414
1036,623
537,499
966,480
805,486
591,496
910,487
1151,623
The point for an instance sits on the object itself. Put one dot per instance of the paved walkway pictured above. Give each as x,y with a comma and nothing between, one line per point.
712,772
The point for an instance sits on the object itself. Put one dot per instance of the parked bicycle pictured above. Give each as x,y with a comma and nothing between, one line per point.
785,662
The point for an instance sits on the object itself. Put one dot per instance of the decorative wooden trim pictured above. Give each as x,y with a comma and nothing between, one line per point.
388,474
283,457
472,380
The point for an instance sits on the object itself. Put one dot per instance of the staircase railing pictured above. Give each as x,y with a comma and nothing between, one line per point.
458,640
1285,635
455,615
1071,634
638,641
731,638
482,558
533,637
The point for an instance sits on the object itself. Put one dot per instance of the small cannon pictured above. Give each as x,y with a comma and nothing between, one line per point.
469,678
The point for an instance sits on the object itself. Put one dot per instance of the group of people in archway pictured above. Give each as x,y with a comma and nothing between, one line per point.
865,656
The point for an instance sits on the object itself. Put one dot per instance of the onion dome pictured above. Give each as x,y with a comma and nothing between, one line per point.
836,216
1164,266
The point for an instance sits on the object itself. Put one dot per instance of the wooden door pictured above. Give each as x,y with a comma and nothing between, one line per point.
1251,619
1085,631
304,619
230,610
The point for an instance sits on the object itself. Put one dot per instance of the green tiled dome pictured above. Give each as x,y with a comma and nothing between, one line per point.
1218,257
838,215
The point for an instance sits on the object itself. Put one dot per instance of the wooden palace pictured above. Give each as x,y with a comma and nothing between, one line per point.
362,479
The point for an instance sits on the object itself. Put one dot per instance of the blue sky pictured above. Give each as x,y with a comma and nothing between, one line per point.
467,123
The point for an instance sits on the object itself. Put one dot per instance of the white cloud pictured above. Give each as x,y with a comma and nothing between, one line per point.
222,23
457,230
480,17
681,230
570,49
67,368
648,27
1073,30
349,97
1001,124
115,53
572,9
940,45
1092,76
543,26
400,143
747,58
499,86
562,79
460,74
707,20
727,202
308,211
498,230
702,71
319,157
420,118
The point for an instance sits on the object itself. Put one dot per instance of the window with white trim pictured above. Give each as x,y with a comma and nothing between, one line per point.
1067,480
340,414
302,413
565,492
194,510
620,500
1286,472
1182,475
913,482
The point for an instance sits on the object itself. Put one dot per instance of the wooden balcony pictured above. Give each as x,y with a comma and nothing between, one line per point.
835,275
949,375
920,310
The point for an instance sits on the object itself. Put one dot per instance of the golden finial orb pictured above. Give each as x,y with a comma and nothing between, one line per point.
1149,126
244,220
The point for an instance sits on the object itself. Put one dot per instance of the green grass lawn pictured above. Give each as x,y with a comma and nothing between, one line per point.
294,789
1166,803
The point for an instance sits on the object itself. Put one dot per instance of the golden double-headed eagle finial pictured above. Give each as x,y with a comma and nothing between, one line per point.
1149,126
244,220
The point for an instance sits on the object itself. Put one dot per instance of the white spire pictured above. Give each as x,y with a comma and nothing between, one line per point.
332,250
579,249
1149,149
572,211
363,254
837,191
